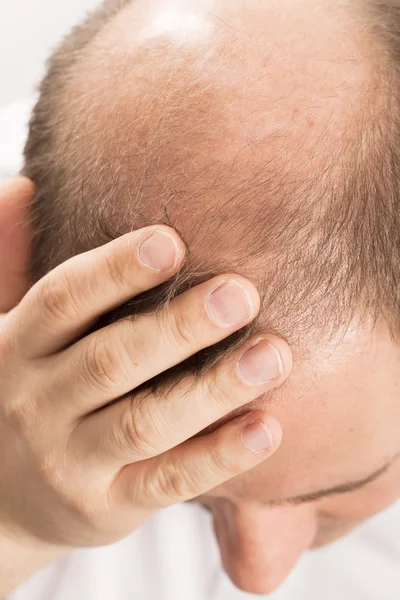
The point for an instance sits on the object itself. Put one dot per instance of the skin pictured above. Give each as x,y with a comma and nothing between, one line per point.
77,471
340,409
330,439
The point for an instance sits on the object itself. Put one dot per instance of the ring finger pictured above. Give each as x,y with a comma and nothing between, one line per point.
139,428
117,359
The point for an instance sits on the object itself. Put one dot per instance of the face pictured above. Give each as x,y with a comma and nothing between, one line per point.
339,462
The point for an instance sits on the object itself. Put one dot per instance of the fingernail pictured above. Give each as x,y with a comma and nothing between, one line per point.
230,304
158,252
260,364
256,437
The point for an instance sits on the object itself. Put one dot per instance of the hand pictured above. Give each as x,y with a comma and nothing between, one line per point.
76,470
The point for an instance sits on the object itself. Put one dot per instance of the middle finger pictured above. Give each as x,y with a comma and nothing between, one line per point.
117,359
147,425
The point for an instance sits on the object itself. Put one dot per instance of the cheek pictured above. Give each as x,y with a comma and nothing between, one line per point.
330,529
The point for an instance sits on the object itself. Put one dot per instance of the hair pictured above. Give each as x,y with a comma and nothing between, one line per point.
333,252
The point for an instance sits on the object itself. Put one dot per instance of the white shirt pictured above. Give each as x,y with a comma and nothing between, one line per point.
174,556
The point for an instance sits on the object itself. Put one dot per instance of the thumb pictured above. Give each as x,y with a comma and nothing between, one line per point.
15,240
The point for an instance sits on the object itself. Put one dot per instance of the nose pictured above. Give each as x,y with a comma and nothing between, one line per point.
260,546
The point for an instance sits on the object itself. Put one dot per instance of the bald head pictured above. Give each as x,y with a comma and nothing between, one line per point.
265,132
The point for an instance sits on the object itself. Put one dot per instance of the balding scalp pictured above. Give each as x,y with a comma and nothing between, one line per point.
305,203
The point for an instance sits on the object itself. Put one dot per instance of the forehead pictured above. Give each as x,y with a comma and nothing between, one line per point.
340,415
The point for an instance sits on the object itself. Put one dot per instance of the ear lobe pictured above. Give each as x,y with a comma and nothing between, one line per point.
15,240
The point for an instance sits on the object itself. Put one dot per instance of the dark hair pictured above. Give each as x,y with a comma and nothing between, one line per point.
326,246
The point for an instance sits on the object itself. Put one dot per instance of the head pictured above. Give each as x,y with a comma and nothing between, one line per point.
267,134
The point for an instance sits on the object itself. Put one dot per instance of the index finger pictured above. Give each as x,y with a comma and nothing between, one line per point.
67,301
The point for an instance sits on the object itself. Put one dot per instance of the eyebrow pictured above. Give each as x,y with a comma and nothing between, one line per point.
339,489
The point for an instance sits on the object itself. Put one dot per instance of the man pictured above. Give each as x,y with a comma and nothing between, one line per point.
266,134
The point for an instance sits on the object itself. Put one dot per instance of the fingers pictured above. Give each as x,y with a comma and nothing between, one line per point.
200,464
117,359
61,306
140,428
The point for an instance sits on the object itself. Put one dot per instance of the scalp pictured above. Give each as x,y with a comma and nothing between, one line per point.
255,137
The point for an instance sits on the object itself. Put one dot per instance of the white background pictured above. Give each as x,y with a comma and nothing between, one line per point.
29,29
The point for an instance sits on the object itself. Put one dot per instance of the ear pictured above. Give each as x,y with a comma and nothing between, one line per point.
15,240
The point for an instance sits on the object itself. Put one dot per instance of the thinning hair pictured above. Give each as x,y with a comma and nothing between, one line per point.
331,239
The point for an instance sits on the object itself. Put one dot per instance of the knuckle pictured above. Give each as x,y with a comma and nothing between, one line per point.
181,330
21,415
137,432
225,463
217,393
102,365
50,469
89,508
175,483
117,270
80,499
58,297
